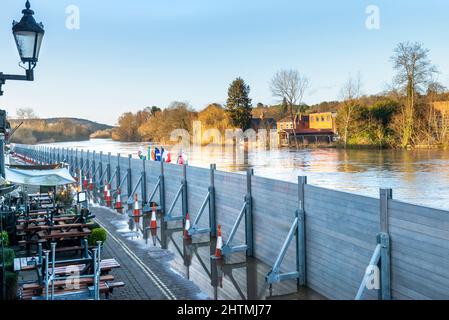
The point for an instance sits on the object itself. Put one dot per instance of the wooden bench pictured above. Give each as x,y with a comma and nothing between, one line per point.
68,249
105,265
43,220
54,227
34,214
59,236
22,243
60,284
106,288
21,264
34,289
31,241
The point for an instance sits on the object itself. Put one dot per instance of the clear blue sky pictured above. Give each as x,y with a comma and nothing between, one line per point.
131,54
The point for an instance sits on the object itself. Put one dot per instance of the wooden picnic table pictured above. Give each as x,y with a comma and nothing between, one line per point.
29,263
54,227
34,214
61,235
106,265
43,220
106,288
42,213
63,283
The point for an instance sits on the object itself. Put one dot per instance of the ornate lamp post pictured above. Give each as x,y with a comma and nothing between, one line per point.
28,35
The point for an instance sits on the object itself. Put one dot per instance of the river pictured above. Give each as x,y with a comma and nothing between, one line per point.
420,177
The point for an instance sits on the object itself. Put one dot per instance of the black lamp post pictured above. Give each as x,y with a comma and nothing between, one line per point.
28,35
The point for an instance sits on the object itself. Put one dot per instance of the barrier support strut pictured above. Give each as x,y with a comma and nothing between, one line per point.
297,230
245,211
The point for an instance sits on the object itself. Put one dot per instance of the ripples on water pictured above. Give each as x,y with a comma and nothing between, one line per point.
420,177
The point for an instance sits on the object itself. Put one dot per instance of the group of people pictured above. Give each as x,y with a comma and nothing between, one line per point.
160,154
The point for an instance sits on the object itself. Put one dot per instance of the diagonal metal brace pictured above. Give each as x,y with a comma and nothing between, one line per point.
83,166
148,207
112,177
194,229
380,264
275,275
130,196
120,184
227,247
372,264
101,179
169,216
95,171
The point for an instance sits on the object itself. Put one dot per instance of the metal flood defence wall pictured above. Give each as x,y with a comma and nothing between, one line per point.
340,228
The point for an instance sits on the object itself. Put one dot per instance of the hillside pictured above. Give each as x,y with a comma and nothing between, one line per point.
55,130
91,125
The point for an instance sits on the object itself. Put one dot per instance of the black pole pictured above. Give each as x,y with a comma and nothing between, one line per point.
2,155
3,258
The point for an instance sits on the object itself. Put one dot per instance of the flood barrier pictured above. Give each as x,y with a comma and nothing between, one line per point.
341,245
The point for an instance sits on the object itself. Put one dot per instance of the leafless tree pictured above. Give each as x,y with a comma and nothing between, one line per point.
350,93
414,72
437,126
289,86
25,113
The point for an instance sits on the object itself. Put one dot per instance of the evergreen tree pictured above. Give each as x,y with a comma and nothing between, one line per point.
239,105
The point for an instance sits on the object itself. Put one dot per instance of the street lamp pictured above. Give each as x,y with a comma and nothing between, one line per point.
28,35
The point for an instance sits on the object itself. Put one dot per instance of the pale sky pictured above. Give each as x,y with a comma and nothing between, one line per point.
130,54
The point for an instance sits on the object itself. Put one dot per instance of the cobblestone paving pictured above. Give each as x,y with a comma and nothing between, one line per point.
138,284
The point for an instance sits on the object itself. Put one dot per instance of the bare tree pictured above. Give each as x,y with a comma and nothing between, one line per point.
350,93
414,72
437,126
289,86
25,113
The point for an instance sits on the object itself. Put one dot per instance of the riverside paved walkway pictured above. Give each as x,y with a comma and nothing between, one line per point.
144,269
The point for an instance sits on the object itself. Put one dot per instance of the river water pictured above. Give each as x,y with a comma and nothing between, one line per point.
419,177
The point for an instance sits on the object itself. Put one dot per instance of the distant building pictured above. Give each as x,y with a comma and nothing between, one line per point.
300,122
323,121
314,127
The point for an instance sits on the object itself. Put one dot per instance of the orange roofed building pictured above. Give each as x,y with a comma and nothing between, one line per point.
314,127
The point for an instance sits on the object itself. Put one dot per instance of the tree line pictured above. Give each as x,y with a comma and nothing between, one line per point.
153,124
404,116
35,131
